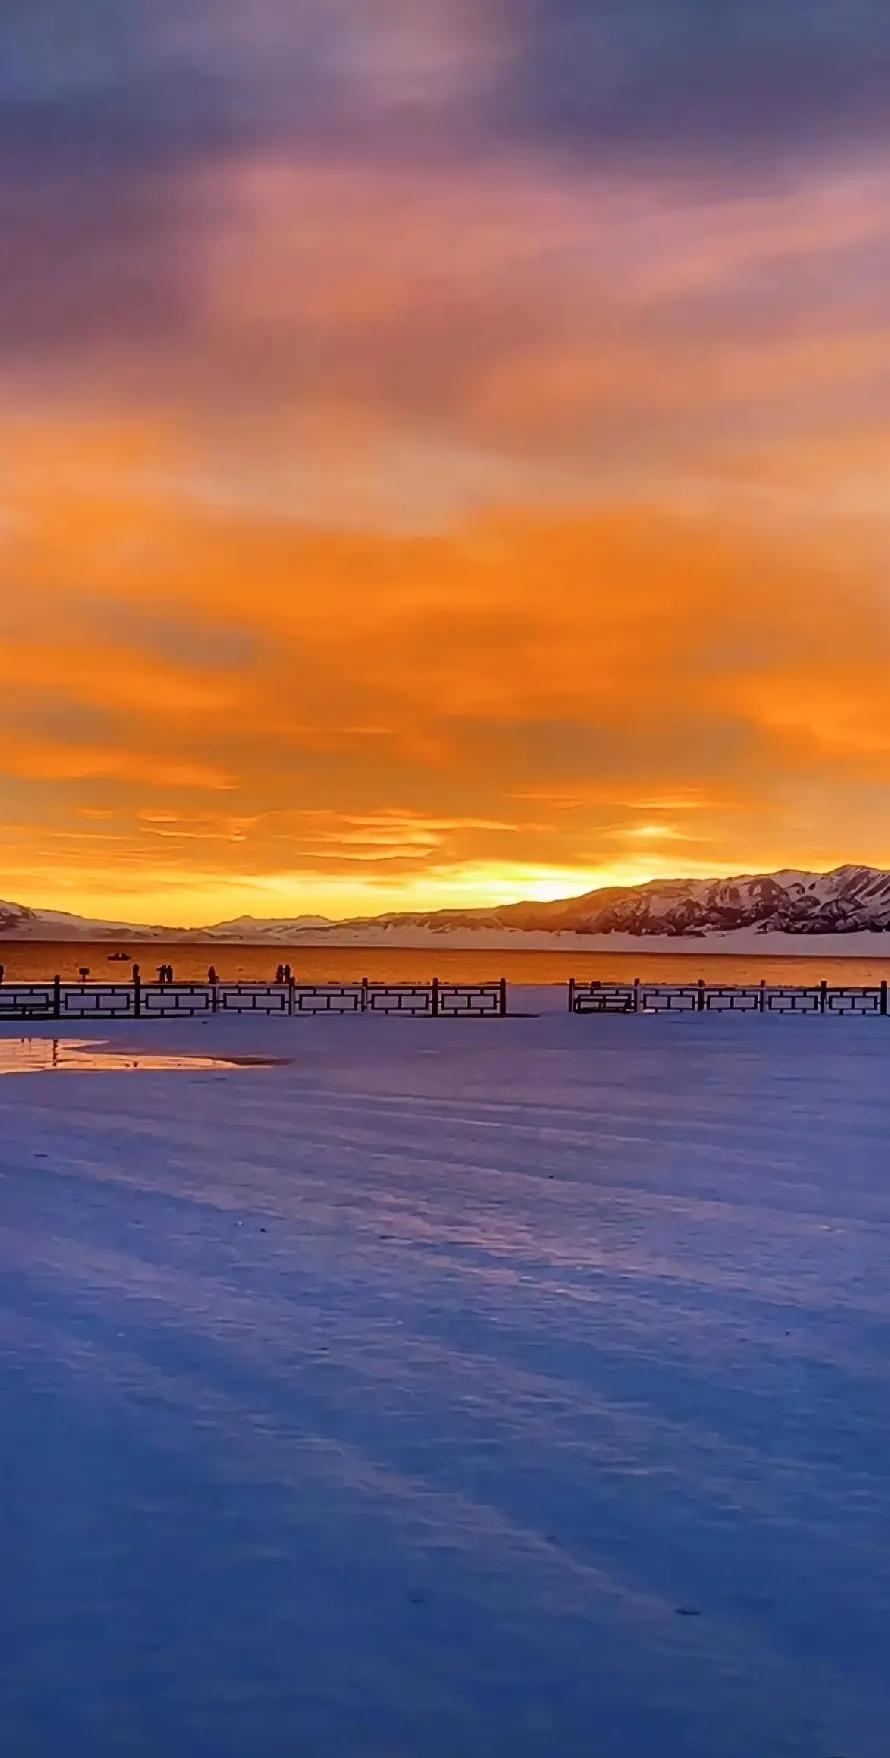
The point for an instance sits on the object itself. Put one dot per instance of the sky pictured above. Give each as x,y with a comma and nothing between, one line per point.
444,448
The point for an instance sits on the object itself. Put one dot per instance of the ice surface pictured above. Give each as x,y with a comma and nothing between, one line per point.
407,1400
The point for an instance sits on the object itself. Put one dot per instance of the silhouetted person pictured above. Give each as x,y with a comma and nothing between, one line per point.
288,974
212,975
279,974
169,973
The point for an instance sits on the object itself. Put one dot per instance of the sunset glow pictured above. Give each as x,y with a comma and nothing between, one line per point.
444,451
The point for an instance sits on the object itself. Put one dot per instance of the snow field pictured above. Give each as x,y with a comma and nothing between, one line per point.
484,1388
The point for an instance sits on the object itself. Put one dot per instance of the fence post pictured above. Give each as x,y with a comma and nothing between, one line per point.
214,998
637,995
823,996
365,986
435,995
701,995
571,994
763,994
137,993
884,996
57,997
502,987
290,997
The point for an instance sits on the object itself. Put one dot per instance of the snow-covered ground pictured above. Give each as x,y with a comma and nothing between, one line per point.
465,1389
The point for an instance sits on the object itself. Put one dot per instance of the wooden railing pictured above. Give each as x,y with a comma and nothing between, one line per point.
138,1000
56,1000
701,997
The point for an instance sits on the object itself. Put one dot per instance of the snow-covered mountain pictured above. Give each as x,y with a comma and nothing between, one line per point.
270,930
17,922
849,900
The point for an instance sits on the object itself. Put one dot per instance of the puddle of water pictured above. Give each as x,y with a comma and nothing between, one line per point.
89,1056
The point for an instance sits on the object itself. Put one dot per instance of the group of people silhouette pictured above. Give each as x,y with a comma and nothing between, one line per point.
283,974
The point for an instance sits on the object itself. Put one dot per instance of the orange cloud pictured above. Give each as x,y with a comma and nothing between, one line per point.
474,536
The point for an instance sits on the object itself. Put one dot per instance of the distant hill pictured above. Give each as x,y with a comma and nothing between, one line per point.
18,922
271,930
850,900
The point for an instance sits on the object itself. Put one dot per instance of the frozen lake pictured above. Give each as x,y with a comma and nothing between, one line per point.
36,961
508,1389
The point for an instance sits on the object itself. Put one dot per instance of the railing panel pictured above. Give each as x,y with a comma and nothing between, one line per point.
730,1000
327,998
266,998
176,1000
27,1000
458,1000
96,1001
857,1001
669,998
603,998
794,1000
406,998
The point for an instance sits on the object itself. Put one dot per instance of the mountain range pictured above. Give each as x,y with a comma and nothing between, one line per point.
849,900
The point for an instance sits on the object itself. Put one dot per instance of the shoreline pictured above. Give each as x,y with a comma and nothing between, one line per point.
740,943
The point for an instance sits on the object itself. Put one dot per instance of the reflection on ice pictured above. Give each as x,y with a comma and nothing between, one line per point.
88,1056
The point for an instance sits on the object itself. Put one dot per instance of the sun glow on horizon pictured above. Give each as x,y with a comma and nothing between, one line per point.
181,903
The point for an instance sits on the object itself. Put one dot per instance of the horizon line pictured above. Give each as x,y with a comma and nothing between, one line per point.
319,919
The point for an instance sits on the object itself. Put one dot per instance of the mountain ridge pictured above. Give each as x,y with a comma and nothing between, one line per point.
849,899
